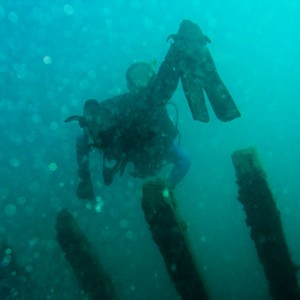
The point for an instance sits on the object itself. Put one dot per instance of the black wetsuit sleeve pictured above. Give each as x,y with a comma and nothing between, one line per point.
167,79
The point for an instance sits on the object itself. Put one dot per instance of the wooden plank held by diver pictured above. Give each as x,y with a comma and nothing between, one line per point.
263,218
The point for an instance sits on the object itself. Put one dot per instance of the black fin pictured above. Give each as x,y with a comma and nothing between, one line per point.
77,118
193,90
73,118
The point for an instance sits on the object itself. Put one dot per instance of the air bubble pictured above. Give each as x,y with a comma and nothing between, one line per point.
166,193
130,235
124,223
13,17
22,200
14,162
52,167
47,60
68,10
10,210
84,84
53,126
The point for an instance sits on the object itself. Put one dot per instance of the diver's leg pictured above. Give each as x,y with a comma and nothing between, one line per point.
85,186
181,164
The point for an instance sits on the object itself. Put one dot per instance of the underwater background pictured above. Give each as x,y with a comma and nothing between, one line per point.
54,55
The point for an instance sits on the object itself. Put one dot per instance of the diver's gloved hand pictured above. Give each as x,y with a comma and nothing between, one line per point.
189,39
198,73
85,188
108,176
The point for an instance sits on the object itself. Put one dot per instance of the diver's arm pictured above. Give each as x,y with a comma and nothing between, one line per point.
85,186
167,79
82,155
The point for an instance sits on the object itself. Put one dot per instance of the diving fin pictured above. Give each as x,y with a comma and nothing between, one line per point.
79,119
217,93
220,98
198,72
193,91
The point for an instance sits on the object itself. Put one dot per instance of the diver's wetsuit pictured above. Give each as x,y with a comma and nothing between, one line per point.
174,155
137,134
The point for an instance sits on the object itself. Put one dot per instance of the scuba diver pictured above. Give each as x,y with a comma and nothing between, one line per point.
129,131
135,127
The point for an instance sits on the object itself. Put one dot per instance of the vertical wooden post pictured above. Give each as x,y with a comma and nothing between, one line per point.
264,221
86,266
169,233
